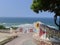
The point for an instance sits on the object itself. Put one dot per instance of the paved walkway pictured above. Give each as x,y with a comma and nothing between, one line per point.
23,39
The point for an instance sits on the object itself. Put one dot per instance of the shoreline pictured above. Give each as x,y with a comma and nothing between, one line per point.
18,25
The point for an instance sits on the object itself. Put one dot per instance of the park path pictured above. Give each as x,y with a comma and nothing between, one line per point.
22,39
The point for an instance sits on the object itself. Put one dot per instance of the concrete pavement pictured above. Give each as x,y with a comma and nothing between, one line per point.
22,39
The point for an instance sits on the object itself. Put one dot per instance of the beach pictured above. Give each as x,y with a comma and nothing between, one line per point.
23,36
4,36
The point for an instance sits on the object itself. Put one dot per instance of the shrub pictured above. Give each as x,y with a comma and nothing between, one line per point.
2,27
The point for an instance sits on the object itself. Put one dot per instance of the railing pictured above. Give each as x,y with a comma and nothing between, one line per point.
51,32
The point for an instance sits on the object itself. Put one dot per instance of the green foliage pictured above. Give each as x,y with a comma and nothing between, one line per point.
2,27
46,5
14,28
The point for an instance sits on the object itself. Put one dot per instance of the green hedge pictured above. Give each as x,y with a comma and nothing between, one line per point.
3,27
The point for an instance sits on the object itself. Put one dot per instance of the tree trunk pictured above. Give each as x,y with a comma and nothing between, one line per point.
55,20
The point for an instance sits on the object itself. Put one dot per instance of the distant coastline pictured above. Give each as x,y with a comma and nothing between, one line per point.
14,21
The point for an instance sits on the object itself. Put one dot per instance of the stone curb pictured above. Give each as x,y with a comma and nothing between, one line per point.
7,40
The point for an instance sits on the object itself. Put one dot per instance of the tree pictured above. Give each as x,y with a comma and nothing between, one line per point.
47,5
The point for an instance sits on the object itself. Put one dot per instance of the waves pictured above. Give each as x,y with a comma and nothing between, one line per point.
18,21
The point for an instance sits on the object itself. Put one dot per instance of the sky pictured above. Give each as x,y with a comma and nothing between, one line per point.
20,8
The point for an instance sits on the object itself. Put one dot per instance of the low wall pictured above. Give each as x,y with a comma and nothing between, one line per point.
7,40
41,42
4,31
51,33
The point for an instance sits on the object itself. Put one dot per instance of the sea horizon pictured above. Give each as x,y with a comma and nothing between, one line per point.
10,21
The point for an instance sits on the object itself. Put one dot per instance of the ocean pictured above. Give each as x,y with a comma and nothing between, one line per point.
11,21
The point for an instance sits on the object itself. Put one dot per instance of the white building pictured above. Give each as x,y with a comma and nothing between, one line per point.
26,28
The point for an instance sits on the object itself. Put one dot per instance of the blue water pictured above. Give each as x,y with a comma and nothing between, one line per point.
17,21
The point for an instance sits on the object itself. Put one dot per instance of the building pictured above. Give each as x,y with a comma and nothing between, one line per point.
26,28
